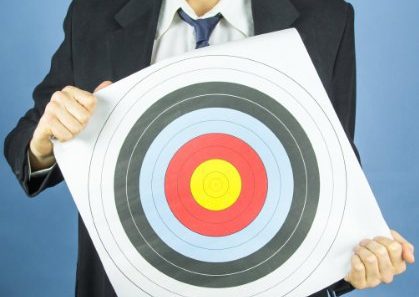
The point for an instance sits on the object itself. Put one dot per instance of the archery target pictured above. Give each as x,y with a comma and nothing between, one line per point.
207,177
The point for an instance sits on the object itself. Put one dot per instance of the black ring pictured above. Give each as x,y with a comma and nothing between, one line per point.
304,202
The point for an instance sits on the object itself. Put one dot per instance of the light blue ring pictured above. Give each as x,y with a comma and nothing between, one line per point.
266,224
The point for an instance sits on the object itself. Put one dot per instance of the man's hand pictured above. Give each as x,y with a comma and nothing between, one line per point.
377,261
65,116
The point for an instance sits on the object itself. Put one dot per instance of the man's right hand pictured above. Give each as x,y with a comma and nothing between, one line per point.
65,116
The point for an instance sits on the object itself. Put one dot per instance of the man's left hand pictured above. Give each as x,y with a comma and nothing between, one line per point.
378,260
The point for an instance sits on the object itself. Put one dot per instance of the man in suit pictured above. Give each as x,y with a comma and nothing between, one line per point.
107,40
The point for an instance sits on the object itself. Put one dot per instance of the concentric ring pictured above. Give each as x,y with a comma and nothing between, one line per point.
270,218
215,184
253,187
305,194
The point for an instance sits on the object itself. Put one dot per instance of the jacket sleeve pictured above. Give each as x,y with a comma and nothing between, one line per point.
17,141
344,101
344,79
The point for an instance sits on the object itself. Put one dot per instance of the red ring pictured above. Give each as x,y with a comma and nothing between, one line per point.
247,206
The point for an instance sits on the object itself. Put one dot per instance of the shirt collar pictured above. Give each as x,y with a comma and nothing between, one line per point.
236,12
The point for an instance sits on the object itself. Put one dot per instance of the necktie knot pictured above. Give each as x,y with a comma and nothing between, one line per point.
202,27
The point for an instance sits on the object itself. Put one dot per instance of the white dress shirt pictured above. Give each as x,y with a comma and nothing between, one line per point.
174,36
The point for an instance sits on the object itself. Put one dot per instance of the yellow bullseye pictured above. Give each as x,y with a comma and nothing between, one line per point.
216,184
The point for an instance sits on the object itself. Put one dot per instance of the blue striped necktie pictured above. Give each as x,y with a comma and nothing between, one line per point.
203,27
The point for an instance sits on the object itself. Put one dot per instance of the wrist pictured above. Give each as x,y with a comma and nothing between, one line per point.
40,160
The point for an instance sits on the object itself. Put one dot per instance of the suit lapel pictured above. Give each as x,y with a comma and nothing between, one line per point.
273,15
132,43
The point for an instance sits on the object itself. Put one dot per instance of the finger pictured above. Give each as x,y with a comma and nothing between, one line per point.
395,251
385,265
408,248
57,128
408,253
370,261
62,114
40,144
81,114
357,276
86,99
396,235
103,85
43,131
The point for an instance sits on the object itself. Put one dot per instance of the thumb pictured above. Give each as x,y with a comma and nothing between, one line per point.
103,85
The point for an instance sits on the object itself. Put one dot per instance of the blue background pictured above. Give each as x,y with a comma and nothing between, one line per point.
38,237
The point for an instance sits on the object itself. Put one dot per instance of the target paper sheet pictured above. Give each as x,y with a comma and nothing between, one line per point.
222,172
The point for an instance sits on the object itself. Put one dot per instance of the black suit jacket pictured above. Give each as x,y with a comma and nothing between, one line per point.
111,39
